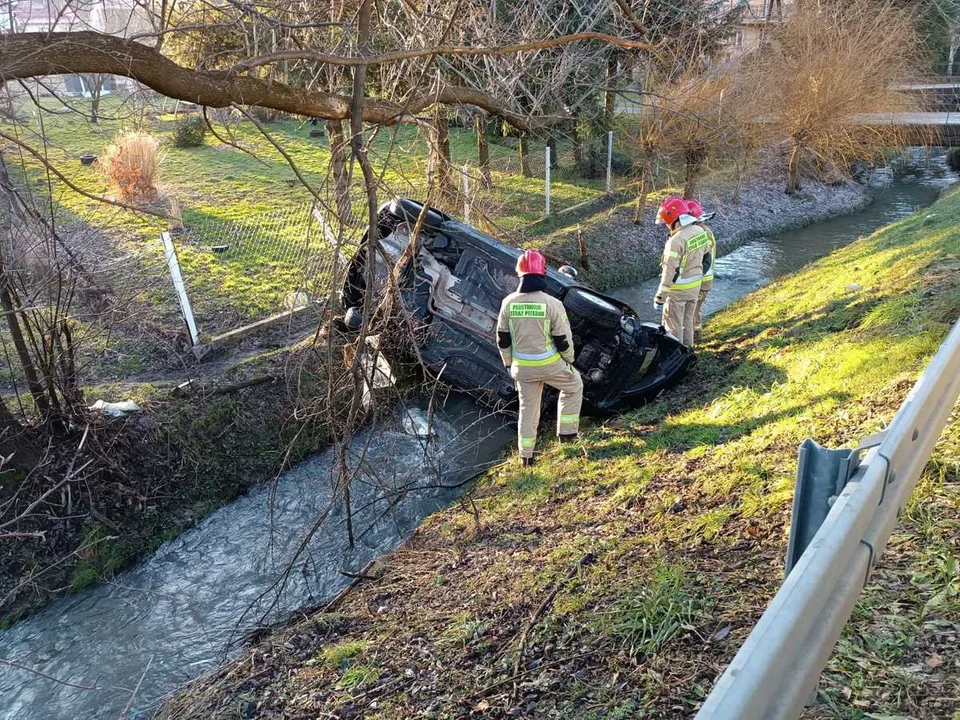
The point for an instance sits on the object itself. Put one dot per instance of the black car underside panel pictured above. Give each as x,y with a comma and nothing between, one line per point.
457,358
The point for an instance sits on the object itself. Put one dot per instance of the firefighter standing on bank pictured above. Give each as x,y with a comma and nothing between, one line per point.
698,217
533,334
682,272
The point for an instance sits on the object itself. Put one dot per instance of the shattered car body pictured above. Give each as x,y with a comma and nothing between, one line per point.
452,283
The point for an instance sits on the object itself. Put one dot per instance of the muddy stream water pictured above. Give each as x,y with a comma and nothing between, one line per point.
117,648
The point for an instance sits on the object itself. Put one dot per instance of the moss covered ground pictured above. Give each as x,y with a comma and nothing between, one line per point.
617,578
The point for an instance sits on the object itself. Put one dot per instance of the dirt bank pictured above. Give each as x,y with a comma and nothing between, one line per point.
114,489
622,253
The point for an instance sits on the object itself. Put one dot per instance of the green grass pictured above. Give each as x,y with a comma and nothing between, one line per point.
336,656
651,612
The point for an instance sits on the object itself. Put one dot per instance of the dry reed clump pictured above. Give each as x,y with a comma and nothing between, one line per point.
131,165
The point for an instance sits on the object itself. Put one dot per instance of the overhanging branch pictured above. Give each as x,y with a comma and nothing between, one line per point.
32,55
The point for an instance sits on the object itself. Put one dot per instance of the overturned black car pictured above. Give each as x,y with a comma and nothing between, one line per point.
452,283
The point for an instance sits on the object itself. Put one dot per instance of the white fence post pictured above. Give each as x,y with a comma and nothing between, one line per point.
547,184
609,161
174,264
466,196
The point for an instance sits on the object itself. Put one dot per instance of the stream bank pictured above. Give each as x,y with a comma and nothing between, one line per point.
622,253
153,474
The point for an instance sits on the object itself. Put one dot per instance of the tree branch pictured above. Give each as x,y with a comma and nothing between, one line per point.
525,47
30,55
632,17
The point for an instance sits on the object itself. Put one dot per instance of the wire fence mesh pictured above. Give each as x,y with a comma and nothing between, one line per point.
237,273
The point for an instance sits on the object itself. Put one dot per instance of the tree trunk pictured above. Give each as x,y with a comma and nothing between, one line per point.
577,148
442,163
524,156
23,354
338,163
609,93
693,163
483,151
95,83
793,170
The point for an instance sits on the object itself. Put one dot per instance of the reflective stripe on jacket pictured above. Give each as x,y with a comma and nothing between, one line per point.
683,263
531,319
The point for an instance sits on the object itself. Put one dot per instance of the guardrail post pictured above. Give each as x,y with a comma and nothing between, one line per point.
821,475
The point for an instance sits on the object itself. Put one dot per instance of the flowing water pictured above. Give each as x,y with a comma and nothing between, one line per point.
168,620
171,618
897,193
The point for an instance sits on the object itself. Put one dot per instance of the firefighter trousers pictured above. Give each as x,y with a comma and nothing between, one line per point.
697,319
559,375
678,318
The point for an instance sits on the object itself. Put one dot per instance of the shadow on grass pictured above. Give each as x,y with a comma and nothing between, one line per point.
835,316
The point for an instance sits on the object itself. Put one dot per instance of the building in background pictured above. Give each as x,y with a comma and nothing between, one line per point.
758,15
123,18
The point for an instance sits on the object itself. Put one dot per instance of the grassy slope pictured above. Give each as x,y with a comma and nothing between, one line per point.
616,579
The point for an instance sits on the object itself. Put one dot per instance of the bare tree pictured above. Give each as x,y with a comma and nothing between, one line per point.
828,63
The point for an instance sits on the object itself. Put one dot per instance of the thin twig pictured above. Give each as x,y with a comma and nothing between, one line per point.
18,666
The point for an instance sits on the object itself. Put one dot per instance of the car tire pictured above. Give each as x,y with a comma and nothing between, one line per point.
592,308
353,319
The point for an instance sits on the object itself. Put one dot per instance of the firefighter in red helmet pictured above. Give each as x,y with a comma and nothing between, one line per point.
536,345
682,270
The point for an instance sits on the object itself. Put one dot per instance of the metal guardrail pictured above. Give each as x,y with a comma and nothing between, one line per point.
777,669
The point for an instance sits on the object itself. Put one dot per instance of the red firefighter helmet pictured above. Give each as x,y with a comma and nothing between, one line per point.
670,211
694,208
531,262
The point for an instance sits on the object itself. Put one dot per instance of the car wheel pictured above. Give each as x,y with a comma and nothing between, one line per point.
593,308
353,318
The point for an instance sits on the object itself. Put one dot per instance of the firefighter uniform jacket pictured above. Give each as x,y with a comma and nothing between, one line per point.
709,259
682,263
539,332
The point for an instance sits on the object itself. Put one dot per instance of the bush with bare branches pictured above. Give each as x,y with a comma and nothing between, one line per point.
827,64
689,122
131,164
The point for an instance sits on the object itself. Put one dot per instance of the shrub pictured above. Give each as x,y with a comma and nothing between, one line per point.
130,165
953,159
189,132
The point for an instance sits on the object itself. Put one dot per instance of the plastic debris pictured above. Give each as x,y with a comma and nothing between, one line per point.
115,409
853,287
